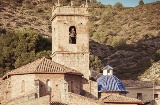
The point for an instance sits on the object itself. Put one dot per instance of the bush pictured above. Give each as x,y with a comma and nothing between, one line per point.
95,63
141,2
118,6
157,55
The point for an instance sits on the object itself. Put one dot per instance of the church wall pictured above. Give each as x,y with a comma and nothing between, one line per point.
30,101
60,34
5,90
75,56
74,83
22,85
55,85
90,88
77,61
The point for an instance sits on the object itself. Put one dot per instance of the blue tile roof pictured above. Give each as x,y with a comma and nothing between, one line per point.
110,83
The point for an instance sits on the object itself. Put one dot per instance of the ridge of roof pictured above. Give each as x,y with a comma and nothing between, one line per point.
42,65
139,84
120,99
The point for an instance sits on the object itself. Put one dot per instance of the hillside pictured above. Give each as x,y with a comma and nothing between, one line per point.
128,39
153,73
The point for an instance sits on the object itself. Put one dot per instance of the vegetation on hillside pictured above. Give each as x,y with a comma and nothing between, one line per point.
126,38
18,48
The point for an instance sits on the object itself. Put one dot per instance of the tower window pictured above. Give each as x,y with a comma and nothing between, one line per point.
155,95
72,35
48,85
23,86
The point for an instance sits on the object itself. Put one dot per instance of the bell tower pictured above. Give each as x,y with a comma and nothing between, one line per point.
70,39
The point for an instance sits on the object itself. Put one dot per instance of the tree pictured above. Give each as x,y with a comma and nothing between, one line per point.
118,6
18,48
95,63
141,2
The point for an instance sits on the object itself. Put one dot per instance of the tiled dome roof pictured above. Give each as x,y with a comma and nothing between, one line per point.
42,65
110,83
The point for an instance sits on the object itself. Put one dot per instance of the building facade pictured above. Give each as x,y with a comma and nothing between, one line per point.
147,91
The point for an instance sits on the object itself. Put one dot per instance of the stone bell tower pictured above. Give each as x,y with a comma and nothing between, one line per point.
70,39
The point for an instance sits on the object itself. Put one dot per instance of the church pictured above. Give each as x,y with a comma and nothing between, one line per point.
64,80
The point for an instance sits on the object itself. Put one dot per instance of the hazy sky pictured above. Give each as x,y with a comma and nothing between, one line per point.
126,3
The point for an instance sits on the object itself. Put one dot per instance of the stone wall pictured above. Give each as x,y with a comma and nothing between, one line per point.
74,83
75,99
70,10
22,85
90,88
55,85
30,101
5,90
75,56
77,61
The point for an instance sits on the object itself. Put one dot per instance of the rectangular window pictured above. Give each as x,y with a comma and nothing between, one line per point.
72,87
155,95
108,71
139,96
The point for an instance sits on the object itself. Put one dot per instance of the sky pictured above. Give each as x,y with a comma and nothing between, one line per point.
126,3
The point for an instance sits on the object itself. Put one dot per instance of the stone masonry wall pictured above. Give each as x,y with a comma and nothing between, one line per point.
90,88
22,85
55,85
5,90
75,56
77,61
31,101
74,83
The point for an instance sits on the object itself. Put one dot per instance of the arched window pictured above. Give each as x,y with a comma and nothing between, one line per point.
23,86
48,85
72,35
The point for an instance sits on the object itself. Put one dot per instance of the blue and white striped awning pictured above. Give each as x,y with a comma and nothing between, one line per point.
110,83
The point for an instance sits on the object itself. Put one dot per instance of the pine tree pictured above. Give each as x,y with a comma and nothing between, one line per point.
141,2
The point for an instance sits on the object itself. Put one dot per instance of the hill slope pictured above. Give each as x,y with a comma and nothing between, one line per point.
126,38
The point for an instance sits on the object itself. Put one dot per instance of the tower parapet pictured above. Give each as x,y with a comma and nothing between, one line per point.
69,10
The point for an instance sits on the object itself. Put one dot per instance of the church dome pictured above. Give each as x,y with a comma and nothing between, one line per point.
110,83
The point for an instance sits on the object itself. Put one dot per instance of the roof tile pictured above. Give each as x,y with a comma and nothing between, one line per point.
43,65
119,99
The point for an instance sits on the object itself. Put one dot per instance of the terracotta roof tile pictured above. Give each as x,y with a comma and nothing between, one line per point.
115,98
43,65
